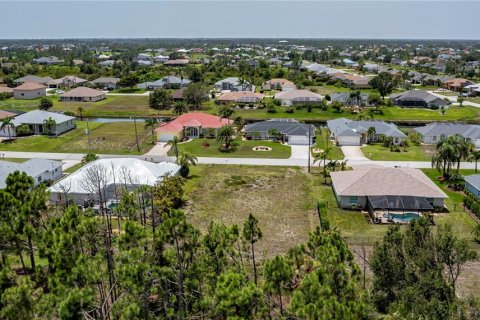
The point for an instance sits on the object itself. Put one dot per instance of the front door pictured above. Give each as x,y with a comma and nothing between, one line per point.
191,132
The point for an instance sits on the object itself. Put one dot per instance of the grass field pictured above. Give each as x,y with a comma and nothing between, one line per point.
323,142
115,137
241,149
414,153
473,99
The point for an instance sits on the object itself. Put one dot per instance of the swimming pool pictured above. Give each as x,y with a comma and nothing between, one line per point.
403,217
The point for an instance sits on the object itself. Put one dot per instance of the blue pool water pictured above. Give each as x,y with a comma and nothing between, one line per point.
403,217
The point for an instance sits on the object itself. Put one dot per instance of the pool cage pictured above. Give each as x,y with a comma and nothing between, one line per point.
379,206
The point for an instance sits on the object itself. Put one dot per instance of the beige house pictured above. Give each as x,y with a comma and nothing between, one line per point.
82,94
29,91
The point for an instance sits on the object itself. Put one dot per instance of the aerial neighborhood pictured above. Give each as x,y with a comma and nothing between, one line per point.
175,145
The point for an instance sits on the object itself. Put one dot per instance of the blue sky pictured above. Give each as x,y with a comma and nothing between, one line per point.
240,19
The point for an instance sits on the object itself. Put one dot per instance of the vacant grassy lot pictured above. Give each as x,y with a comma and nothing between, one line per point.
279,197
241,149
473,99
324,142
115,137
414,153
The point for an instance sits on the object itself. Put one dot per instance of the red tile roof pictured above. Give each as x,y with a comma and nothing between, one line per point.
193,119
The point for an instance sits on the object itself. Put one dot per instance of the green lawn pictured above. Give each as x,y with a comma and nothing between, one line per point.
323,142
115,137
241,149
414,153
128,90
473,99
73,168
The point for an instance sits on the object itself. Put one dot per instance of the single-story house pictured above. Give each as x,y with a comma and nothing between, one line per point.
240,97
473,89
34,79
107,63
298,97
170,82
190,125
66,82
35,120
178,94
457,84
82,94
293,131
233,84
346,99
371,67
381,188
432,133
106,83
279,84
48,60
29,91
472,184
347,132
418,99
41,170
119,173
176,62
351,80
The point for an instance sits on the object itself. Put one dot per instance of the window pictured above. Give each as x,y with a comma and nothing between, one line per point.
39,179
434,138
353,200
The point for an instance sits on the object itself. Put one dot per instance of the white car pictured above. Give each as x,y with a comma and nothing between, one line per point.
59,91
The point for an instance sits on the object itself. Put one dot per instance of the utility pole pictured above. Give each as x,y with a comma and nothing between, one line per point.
136,134
309,149
88,137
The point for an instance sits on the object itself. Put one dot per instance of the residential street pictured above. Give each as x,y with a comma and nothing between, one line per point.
454,99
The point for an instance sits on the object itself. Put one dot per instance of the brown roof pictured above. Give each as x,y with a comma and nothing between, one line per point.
82,92
6,114
282,82
373,181
234,96
29,86
178,94
5,90
292,94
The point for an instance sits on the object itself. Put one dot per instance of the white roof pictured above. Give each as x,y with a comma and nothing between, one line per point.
121,171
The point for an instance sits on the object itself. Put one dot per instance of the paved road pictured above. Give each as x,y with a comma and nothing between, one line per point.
70,157
454,99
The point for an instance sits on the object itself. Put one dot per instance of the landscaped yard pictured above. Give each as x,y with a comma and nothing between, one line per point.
377,151
241,149
115,137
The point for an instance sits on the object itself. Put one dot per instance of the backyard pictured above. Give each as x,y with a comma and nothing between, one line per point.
241,149
114,138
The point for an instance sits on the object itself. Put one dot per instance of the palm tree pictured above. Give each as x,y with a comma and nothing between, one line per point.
185,160
151,123
274,133
370,133
446,155
464,148
179,108
225,134
226,112
474,156
89,157
174,146
49,125
355,97
80,112
323,156
8,124
242,82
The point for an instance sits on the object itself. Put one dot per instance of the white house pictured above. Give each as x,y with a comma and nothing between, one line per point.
35,121
41,170
29,91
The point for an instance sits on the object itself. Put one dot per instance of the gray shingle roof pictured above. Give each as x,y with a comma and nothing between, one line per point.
33,167
416,95
344,127
474,180
38,116
284,126
450,129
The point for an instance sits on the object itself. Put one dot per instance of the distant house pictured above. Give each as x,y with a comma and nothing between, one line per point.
48,60
178,94
6,91
35,121
292,131
190,125
233,84
29,91
386,189
106,83
472,184
170,82
346,99
352,81
432,133
457,84
473,89
82,94
161,59
349,63
176,62
371,67
418,99
240,97
107,63
66,82
41,170
298,97
347,132
32,79
279,84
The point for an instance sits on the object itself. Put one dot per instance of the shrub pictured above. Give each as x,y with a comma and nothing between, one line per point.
4,96
289,110
271,109
23,130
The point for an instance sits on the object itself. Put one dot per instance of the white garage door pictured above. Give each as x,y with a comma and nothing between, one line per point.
301,140
165,137
349,141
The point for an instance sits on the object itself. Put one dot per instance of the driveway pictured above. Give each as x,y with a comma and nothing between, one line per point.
159,150
299,152
353,153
